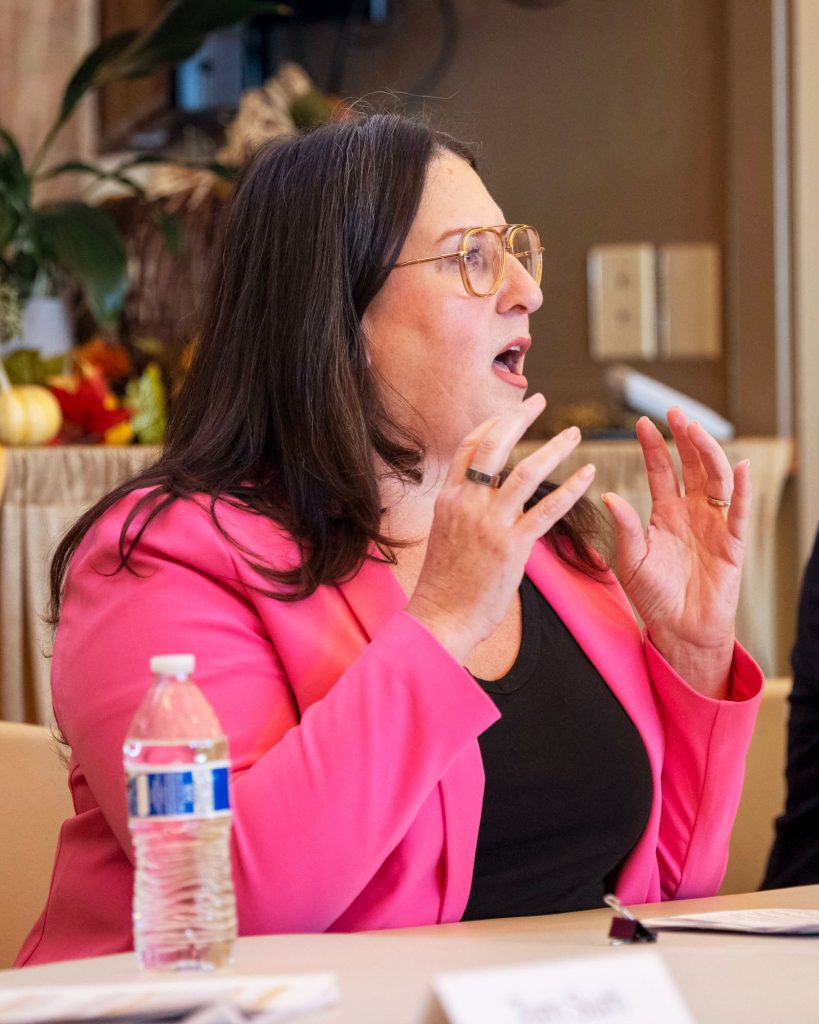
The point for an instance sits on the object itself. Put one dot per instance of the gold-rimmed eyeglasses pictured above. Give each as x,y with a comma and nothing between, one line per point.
481,255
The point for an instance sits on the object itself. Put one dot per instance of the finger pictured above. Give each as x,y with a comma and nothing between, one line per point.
739,512
629,535
491,452
543,516
662,479
465,450
530,472
720,479
693,471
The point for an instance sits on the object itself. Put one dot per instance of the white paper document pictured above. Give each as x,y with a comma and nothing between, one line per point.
626,986
272,997
757,922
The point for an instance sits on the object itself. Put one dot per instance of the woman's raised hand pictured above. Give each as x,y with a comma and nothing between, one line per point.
481,538
682,574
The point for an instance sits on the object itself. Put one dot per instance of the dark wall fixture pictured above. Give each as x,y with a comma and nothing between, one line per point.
358,27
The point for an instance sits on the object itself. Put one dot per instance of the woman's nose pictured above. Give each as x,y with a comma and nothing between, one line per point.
518,288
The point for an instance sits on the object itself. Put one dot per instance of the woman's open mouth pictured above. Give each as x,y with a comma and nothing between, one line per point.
508,363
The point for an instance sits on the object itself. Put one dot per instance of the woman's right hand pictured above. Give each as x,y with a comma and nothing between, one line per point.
481,538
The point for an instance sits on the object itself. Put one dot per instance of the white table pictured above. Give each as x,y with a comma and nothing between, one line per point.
385,976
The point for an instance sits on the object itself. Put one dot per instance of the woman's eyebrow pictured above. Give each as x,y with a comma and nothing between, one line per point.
461,230
448,234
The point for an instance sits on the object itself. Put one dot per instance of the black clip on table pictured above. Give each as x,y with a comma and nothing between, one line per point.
625,928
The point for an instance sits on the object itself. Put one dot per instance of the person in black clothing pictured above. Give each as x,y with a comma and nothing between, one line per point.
795,855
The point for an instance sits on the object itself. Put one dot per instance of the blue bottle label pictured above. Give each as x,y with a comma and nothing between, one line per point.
179,791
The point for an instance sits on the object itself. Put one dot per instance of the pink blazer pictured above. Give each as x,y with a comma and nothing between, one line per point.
357,777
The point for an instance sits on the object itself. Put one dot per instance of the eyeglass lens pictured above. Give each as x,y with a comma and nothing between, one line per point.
484,256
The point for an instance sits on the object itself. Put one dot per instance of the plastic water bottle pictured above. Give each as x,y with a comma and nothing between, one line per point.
176,768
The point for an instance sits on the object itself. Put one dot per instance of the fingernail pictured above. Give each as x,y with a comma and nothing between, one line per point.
537,394
570,433
587,471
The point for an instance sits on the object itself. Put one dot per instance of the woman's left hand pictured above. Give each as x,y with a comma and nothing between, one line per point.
682,574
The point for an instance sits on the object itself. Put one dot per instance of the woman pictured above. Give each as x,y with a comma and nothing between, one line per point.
328,532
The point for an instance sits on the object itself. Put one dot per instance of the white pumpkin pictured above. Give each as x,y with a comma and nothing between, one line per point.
29,414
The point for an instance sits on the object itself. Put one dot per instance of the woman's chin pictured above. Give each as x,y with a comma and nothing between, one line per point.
504,398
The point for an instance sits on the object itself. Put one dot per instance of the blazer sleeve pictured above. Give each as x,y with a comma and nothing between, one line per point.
319,799
706,742
795,856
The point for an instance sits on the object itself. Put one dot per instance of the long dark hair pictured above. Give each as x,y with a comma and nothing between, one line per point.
279,412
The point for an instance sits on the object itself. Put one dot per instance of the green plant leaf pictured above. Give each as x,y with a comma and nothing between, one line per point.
72,167
14,188
27,366
171,230
146,396
83,240
91,69
81,167
310,110
10,153
20,272
8,222
224,171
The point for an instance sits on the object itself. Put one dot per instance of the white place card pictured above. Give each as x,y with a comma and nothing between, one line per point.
274,997
626,986
763,921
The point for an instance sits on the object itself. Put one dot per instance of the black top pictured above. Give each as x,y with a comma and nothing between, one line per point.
568,781
795,855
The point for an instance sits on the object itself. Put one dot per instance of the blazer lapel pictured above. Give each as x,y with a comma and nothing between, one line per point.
374,595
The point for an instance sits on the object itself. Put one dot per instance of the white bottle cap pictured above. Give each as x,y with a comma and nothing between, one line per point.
173,664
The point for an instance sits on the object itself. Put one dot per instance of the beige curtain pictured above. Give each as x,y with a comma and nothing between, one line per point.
46,489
